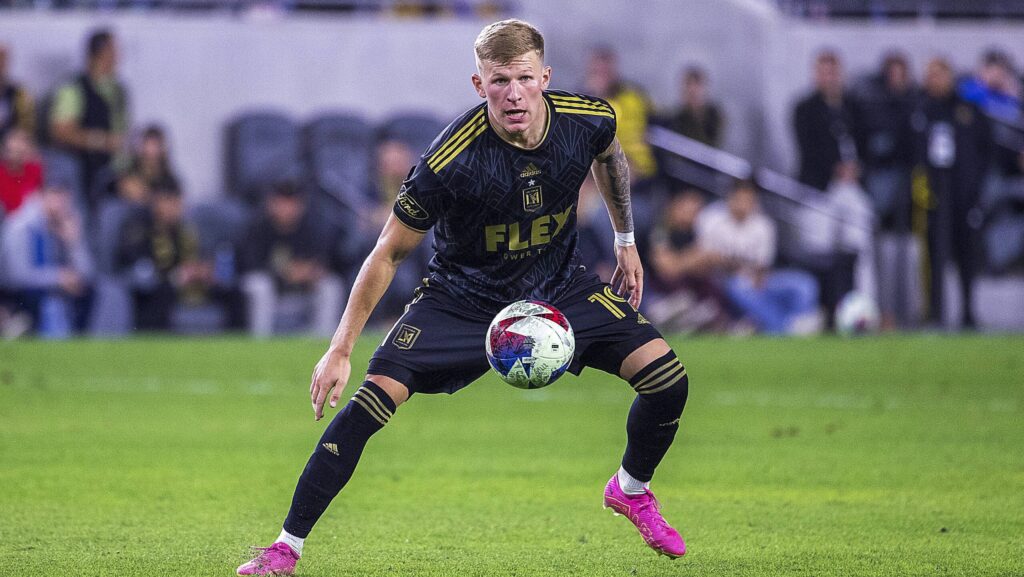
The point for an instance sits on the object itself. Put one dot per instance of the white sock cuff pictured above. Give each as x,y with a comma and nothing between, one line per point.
629,485
291,541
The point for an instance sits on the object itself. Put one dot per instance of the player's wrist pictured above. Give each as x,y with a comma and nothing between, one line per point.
625,238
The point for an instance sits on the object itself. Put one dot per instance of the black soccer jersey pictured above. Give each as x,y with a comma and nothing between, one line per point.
504,218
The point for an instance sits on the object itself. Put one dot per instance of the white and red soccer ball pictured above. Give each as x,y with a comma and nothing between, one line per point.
857,314
530,344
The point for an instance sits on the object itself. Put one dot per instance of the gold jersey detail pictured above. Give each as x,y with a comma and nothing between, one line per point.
455,139
438,163
583,111
577,102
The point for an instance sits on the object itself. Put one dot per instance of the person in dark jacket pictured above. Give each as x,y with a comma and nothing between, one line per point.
954,146
160,251
287,281
698,117
89,117
826,124
887,102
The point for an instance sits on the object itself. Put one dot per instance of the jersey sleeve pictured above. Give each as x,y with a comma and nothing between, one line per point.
605,132
422,198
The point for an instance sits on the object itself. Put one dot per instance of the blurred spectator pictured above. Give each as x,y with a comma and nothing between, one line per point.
21,173
90,114
836,242
287,283
161,254
995,88
698,117
776,301
955,148
632,109
394,159
133,188
149,170
825,124
16,106
888,102
682,294
47,263
151,161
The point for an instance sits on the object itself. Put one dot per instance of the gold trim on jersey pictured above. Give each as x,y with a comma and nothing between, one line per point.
577,102
581,111
455,141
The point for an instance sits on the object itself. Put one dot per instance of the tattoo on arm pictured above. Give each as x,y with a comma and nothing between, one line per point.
615,187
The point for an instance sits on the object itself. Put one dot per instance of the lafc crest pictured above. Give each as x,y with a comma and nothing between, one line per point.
406,336
532,199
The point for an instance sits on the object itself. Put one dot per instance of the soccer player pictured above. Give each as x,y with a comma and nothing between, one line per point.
499,187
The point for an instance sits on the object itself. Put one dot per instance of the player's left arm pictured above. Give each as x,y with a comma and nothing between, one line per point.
611,173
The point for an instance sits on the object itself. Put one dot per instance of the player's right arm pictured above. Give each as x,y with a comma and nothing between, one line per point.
395,243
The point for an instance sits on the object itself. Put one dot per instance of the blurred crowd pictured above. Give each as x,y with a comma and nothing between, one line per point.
98,236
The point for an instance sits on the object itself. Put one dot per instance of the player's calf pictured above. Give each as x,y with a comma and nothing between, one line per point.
662,388
328,470
336,455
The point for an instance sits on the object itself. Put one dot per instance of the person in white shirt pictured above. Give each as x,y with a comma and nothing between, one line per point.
777,301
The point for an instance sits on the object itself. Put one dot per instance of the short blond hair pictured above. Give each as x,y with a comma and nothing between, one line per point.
503,41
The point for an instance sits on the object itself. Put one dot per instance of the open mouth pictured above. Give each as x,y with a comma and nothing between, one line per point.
515,114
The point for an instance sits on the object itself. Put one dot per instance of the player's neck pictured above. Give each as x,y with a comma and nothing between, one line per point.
528,139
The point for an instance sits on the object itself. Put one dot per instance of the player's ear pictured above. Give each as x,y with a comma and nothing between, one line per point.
545,78
478,83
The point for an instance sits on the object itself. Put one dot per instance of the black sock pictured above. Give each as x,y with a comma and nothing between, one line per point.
662,387
336,456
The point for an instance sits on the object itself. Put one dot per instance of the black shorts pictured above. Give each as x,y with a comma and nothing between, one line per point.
437,346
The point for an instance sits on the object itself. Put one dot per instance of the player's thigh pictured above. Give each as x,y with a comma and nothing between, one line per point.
608,331
433,348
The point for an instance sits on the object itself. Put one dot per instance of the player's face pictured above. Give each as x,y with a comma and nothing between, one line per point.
514,91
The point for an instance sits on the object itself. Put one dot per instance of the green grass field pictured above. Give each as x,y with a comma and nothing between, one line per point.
890,456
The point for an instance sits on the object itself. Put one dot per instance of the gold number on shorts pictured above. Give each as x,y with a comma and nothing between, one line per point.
608,304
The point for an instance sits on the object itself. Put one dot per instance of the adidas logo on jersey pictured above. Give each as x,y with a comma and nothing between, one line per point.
531,170
332,447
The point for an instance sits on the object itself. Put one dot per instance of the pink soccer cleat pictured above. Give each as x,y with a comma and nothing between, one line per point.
643,511
278,559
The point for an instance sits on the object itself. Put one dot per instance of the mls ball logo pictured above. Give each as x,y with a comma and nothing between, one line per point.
532,199
406,336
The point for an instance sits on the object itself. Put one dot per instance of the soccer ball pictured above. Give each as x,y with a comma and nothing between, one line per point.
530,344
857,314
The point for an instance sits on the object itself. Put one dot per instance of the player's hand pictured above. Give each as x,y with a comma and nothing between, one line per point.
628,278
330,374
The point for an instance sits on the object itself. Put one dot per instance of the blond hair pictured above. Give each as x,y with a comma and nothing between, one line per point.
503,41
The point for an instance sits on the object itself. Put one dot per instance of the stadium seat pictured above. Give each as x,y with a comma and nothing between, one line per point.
262,148
220,223
338,151
417,129
1004,241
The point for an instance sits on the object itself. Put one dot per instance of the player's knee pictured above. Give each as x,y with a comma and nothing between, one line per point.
663,382
366,413
396,391
373,402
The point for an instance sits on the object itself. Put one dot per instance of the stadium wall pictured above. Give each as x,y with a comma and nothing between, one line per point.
194,73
